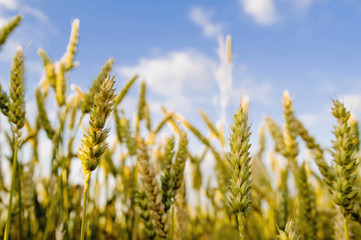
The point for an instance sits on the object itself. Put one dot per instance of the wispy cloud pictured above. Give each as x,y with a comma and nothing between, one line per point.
262,11
33,12
202,18
21,7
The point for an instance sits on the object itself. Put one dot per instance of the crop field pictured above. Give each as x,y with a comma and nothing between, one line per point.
148,183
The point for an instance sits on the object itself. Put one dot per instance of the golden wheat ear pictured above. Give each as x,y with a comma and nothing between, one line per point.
6,30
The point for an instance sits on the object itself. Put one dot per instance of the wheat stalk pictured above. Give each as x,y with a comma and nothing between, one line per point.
239,164
93,145
16,116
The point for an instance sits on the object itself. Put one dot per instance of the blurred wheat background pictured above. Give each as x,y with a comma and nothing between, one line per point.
125,121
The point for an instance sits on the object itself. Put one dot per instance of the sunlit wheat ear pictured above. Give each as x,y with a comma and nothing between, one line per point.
277,136
167,178
290,128
289,233
142,201
68,57
49,68
171,122
344,157
215,132
17,91
141,105
73,105
153,134
239,165
148,120
6,30
196,171
118,99
43,116
262,141
124,133
180,159
60,84
326,171
174,171
155,204
88,101
93,145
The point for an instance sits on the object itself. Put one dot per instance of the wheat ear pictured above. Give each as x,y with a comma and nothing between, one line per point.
308,210
6,30
155,204
289,233
87,104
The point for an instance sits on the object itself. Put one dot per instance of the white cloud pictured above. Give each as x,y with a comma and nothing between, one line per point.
203,19
184,80
262,11
180,78
8,4
175,73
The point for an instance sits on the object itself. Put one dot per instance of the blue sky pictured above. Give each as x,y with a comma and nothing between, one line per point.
310,47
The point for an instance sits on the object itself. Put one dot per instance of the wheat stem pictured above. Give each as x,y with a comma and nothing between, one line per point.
19,200
85,198
12,187
241,225
345,228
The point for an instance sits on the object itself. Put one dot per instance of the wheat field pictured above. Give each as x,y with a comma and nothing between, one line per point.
147,186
